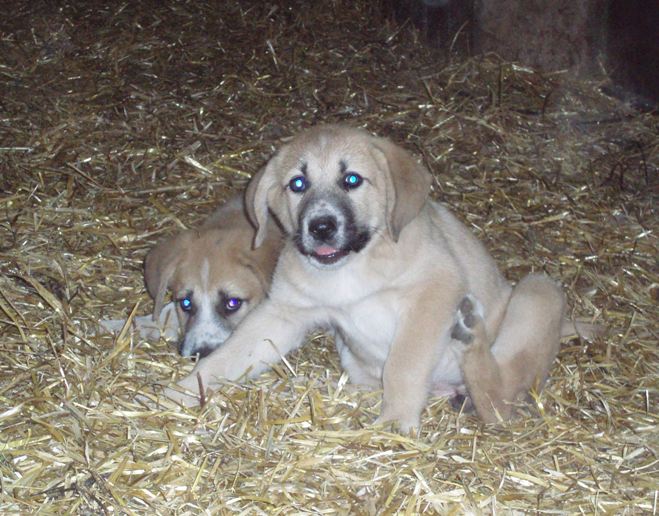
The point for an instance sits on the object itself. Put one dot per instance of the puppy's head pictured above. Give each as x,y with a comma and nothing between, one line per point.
215,278
334,189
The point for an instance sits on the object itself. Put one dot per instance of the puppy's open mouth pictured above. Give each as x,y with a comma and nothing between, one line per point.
327,254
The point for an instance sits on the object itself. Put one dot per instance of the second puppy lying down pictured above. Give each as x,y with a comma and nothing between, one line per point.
215,278
214,275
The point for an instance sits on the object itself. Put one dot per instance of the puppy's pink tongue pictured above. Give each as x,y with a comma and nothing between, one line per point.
324,250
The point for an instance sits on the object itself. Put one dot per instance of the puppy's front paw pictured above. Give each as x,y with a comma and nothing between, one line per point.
468,315
403,424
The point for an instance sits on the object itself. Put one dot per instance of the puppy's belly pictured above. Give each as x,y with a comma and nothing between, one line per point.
366,338
447,377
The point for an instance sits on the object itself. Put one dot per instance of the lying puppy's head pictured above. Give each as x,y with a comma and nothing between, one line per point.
333,189
214,275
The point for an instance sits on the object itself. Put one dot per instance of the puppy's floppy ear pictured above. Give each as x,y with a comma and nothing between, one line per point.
408,184
159,267
264,259
257,196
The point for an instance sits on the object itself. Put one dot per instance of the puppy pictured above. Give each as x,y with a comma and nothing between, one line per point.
215,277
371,257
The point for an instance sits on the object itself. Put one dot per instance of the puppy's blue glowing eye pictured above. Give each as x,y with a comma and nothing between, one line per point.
298,184
352,180
232,304
185,304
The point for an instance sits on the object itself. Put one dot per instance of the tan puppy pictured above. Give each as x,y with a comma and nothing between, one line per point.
371,257
215,277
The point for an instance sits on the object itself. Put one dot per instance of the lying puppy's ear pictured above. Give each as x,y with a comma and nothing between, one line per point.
257,199
159,267
262,261
408,184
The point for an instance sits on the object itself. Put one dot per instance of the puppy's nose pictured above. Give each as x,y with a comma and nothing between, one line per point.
323,228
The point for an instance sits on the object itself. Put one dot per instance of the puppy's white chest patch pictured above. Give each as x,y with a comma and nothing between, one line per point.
368,329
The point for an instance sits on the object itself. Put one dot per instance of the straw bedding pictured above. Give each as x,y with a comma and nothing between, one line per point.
122,122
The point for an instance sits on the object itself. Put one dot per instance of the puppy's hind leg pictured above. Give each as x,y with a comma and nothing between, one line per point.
522,353
480,369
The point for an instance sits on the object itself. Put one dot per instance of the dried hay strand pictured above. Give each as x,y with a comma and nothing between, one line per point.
123,122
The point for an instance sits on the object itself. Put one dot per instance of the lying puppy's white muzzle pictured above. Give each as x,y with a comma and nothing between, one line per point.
202,338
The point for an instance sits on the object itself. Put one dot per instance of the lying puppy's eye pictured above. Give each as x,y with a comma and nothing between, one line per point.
352,180
233,304
298,184
185,304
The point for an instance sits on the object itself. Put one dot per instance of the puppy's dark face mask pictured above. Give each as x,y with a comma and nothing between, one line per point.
327,227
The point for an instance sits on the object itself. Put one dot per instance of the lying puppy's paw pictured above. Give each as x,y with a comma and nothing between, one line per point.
188,392
468,315
181,397
166,326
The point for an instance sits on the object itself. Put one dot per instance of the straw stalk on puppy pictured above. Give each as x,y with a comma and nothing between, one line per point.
215,276
400,280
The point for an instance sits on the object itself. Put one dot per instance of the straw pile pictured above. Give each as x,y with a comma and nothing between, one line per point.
125,121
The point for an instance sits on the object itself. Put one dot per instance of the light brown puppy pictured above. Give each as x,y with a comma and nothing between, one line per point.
371,257
215,277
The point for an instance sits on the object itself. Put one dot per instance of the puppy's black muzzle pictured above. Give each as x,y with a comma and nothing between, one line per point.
331,232
323,229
